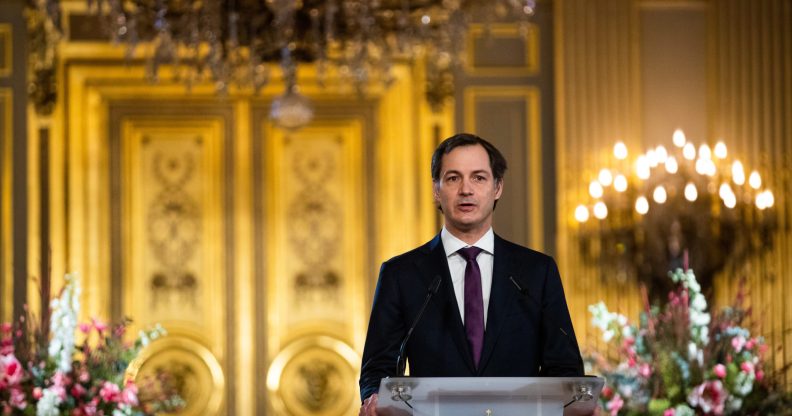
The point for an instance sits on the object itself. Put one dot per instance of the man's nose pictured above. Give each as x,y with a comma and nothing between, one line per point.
466,188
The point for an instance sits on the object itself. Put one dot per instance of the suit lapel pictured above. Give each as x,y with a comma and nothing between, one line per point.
434,263
501,296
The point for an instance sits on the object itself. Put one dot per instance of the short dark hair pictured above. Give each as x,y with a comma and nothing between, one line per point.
497,161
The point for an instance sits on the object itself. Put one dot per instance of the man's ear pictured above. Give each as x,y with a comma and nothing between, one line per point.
436,191
499,190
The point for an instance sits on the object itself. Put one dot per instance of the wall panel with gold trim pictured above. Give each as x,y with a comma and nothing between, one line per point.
509,118
752,110
172,248
317,219
598,101
6,235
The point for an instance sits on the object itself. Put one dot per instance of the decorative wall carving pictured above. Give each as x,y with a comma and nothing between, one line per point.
173,228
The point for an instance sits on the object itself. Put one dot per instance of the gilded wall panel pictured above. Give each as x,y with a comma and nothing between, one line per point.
752,111
173,272
598,97
6,50
317,261
510,118
502,50
6,234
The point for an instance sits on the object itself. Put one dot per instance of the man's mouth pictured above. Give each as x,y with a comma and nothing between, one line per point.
466,206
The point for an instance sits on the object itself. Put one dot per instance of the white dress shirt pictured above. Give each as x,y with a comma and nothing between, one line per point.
457,264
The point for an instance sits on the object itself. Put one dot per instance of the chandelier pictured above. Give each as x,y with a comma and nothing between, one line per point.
230,42
666,208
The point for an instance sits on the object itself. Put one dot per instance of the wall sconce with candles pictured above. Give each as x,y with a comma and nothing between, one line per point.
675,206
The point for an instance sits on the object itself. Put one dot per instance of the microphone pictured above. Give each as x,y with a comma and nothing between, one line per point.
527,294
553,322
431,290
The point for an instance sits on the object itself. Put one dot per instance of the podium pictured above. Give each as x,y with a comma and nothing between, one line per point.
488,396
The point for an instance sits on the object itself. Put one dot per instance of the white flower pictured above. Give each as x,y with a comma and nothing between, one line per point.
734,403
698,302
144,338
63,323
607,335
48,404
627,331
625,390
692,351
683,410
699,318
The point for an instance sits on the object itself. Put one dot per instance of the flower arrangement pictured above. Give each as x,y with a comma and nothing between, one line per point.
77,369
681,361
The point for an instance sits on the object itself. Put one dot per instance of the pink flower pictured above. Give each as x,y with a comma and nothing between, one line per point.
747,367
89,409
607,392
10,370
709,397
129,395
750,344
78,390
59,391
110,392
645,370
738,343
719,370
18,398
84,327
759,375
7,347
37,393
84,376
669,412
614,405
99,325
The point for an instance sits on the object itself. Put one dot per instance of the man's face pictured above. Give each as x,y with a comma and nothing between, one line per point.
467,190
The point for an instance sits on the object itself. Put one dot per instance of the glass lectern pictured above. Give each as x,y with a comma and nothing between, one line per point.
488,396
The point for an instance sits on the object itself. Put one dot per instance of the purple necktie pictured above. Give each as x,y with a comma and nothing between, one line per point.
474,303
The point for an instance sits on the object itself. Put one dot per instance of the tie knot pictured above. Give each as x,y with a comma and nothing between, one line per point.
469,253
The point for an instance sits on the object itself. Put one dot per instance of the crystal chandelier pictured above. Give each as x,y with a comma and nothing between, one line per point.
229,42
673,206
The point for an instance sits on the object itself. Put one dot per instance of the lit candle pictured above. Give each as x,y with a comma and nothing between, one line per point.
720,150
581,213
642,205
679,138
659,194
600,210
620,150
691,193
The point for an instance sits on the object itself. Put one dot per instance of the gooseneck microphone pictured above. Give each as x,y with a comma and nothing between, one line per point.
431,290
528,295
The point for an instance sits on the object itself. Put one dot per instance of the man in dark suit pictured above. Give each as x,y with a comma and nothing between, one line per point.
499,310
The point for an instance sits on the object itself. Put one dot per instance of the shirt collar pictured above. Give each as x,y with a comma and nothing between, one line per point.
451,244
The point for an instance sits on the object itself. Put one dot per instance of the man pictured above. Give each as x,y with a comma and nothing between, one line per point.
500,309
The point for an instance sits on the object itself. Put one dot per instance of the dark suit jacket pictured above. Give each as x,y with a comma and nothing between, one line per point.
528,333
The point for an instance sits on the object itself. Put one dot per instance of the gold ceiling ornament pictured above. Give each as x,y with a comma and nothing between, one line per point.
230,42
685,205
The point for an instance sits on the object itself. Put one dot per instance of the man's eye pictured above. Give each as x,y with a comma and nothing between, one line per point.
452,178
479,178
